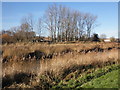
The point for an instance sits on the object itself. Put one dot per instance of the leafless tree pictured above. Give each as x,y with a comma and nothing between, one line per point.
28,21
49,21
90,23
67,24
74,25
26,27
103,36
40,26
81,25
62,22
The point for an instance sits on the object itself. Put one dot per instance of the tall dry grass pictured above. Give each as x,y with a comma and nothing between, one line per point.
20,49
61,64
58,64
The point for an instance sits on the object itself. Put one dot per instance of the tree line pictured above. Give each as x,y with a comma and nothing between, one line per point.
66,24
63,24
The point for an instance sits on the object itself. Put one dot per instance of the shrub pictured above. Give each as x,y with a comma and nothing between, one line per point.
95,38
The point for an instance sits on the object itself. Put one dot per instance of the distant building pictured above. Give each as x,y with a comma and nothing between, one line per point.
41,39
107,40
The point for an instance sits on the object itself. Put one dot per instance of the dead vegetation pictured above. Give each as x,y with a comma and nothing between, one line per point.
38,50
31,62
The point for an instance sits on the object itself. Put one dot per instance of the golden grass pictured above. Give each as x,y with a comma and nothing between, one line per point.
20,49
61,63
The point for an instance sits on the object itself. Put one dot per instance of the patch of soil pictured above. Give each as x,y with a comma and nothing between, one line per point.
6,59
36,54
95,49
67,51
17,78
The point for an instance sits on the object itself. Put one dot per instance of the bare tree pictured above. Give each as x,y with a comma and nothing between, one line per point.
39,26
81,25
62,21
66,24
102,36
112,39
26,27
52,21
29,22
59,23
74,25
49,21
55,20
90,23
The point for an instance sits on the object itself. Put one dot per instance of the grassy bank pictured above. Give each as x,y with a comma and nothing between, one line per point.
106,77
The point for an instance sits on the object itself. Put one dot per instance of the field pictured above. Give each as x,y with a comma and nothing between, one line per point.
61,65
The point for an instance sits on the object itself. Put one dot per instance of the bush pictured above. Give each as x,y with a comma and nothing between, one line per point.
7,39
112,39
95,38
